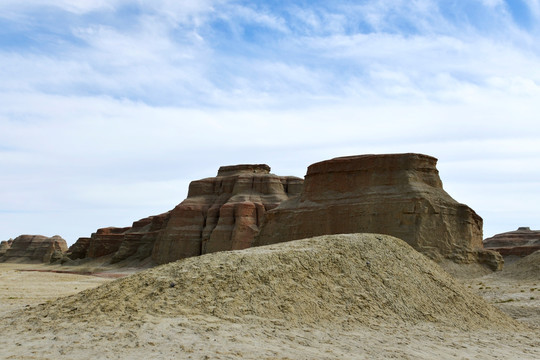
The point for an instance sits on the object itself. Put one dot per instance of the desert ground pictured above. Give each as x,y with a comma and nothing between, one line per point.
186,310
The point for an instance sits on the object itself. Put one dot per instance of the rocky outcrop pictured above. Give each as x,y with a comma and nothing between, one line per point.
521,242
220,213
223,212
139,241
397,194
4,246
122,243
105,241
35,248
79,249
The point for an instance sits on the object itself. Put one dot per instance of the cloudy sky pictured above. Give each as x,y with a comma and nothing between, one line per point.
109,108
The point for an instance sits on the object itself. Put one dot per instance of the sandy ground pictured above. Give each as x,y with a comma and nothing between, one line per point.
208,337
21,286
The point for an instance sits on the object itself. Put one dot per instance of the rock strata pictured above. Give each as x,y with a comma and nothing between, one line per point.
35,248
396,194
121,242
220,213
105,241
223,212
4,246
79,249
521,242
139,241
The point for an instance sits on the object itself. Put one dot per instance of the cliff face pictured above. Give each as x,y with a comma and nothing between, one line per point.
220,213
35,248
136,240
223,212
521,242
397,194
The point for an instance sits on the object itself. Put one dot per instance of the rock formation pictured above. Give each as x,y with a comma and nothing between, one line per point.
397,194
139,240
103,242
521,242
35,248
220,213
136,240
79,249
4,246
223,212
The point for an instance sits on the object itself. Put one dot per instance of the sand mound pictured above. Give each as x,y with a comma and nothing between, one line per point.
342,279
525,268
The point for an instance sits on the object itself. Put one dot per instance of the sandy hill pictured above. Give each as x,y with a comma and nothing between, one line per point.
342,279
524,268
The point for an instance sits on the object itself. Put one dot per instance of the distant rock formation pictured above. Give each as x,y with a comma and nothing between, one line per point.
396,194
139,240
521,242
4,246
223,212
79,249
220,213
35,248
134,241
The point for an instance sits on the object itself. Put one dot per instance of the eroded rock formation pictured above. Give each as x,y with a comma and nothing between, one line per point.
134,241
4,246
223,212
397,194
139,240
35,248
79,249
220,213
521,242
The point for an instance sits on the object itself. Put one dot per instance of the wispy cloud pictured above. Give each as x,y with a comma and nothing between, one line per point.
101,99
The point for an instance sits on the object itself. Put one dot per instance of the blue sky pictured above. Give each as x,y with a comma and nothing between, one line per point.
109,108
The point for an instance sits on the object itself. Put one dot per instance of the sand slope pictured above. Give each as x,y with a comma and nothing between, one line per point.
338,279
343,296
525,268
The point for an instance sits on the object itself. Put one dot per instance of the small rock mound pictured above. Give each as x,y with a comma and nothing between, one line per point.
343,279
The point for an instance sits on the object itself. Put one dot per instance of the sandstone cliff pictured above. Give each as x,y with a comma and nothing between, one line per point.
134,241
398,194
521,242
223,212
139,241
220,213
35,248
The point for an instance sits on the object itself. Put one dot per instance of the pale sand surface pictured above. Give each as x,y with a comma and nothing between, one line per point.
50,331
20,287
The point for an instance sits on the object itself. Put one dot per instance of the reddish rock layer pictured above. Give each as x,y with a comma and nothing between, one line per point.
139,241
221,213
35,248
136,240
79,249
105,241
398,194
224,212
521,242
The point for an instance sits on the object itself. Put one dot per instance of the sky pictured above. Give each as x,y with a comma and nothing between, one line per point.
109,108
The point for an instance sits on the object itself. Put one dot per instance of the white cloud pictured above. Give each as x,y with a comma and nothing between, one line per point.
133,113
